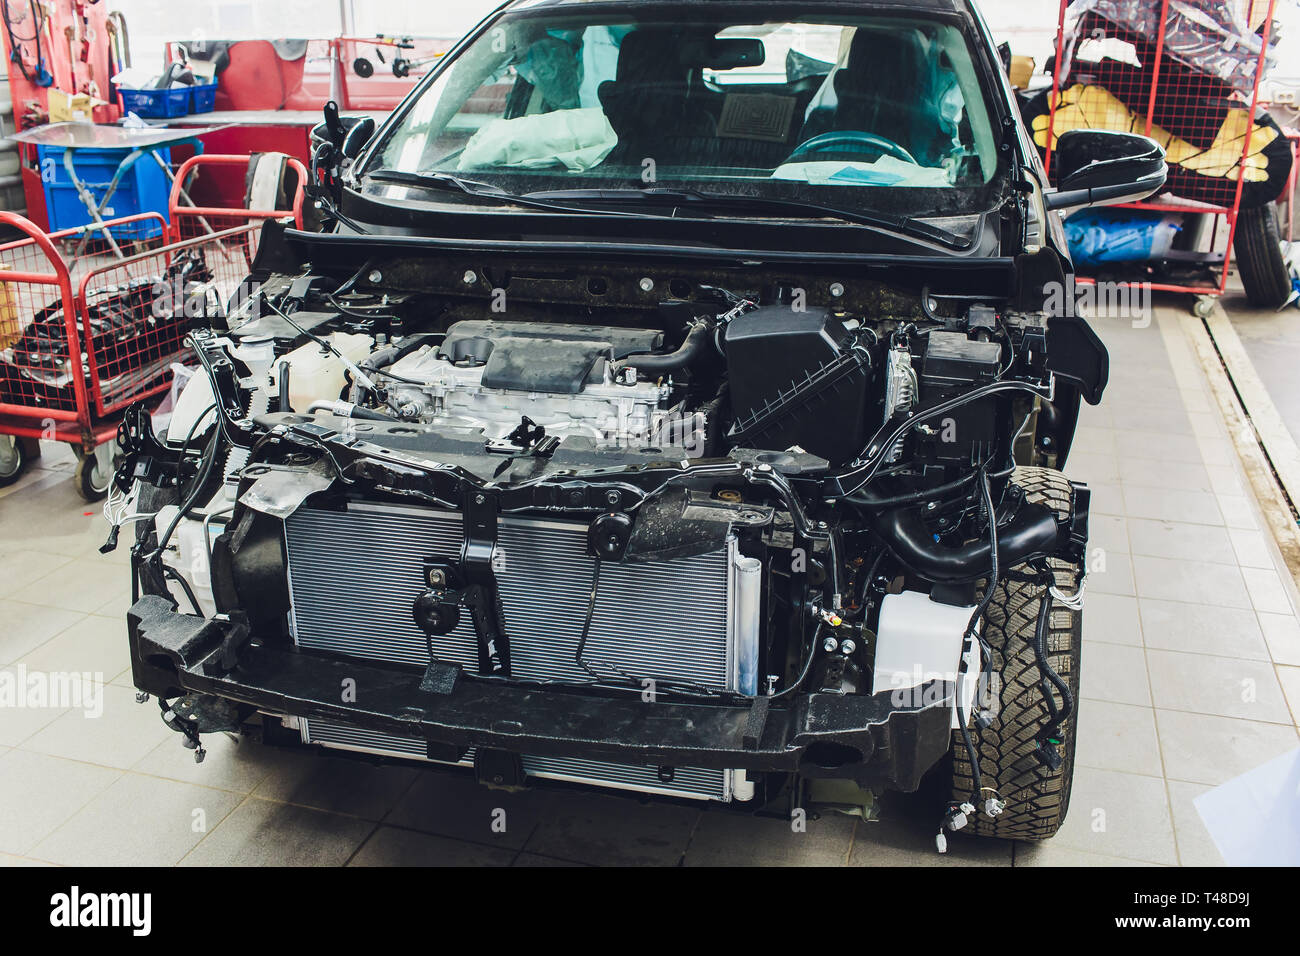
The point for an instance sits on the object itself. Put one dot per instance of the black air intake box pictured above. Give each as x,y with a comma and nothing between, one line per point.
797,379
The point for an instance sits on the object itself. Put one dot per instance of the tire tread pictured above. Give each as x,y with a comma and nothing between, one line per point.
1037,798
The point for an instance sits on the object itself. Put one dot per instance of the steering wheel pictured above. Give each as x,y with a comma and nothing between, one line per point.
851,140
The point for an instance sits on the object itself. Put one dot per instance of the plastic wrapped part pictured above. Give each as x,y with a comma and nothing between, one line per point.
1097,237
1213,37
920,640
797,380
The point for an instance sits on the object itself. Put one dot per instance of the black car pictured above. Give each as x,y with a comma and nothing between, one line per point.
672,398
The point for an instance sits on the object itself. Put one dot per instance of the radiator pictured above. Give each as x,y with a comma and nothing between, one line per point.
354,574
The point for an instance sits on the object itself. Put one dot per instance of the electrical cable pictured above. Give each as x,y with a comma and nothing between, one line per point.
347,285
973,629
807,666
15,41
865,471
201,479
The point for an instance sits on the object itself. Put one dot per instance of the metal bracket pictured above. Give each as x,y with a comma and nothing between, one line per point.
498,769
481,594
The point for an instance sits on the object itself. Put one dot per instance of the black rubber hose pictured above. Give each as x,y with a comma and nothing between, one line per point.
696,342
284,386
170,572
1048,674
381,359
1034,530
870,500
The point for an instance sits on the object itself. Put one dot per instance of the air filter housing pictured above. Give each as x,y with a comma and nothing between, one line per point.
797,378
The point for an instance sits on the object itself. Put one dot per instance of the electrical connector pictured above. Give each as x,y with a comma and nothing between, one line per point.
110,544
993,807
958,816
984,720
1048,755
829,617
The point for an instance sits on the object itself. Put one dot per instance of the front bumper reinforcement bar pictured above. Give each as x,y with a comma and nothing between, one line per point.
889,739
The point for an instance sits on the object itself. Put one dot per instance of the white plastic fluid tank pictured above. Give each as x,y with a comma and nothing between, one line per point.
316,374
920,640
190,556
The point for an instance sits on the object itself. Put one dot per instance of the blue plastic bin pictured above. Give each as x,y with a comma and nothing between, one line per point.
144,187
1103,236
203,97
156,104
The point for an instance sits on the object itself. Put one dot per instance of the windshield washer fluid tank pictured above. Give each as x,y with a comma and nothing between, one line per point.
319,375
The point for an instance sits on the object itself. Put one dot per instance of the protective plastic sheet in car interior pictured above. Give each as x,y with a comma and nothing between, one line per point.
939,100
578,139
1214,37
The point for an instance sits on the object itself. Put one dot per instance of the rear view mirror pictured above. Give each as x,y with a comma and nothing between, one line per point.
1096,167
734,53
721,53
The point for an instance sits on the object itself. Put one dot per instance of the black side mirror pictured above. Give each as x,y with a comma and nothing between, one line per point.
1096,167
358,135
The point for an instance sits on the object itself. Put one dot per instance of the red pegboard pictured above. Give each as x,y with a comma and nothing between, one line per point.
63,45
66,40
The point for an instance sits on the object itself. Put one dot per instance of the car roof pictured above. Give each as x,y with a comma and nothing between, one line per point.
943,6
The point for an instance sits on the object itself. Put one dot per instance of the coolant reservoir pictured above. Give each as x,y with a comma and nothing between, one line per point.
316,374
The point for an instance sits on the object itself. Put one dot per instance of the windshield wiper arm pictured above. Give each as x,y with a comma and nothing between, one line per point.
481,190
914,228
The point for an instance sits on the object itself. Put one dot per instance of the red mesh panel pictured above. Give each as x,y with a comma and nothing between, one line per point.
1223,152
81,338
135,314
43,381
189,222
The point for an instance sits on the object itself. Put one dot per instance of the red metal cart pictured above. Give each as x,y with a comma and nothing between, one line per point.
1199,118
82,339
188,220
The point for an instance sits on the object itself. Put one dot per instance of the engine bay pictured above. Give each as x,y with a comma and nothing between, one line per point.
601,480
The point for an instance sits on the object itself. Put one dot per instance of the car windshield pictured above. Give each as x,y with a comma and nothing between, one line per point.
865,112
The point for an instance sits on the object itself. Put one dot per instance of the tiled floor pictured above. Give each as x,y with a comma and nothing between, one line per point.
1191,676
1272,339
